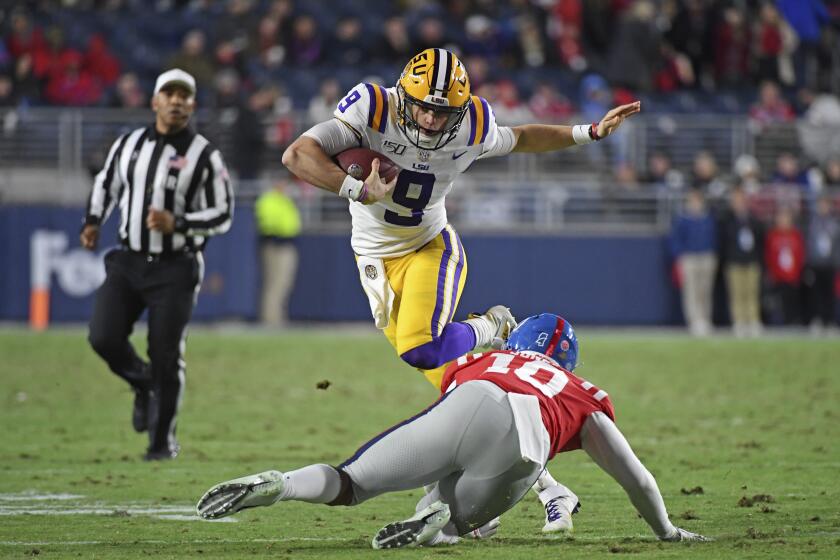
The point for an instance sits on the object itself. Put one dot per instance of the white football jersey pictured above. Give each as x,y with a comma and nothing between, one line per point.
413,213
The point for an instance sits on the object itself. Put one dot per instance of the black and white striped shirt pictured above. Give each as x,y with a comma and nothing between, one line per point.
182,172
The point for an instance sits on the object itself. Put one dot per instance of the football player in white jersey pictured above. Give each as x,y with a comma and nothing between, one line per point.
411,261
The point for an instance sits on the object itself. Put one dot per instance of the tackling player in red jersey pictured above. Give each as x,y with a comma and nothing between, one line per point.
565,400
477,450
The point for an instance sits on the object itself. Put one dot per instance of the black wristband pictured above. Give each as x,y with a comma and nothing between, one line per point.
180,224
89,220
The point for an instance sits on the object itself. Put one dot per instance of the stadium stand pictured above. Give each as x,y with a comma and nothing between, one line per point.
699,58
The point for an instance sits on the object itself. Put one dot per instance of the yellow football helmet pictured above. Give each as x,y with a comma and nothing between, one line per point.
434,80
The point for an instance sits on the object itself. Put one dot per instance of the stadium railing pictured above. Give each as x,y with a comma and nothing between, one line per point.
48,155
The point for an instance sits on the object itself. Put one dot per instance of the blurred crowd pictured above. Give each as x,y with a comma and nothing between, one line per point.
269,67
105,52
776,266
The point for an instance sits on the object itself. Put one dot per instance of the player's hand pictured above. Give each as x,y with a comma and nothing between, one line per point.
613,119
487,530
160,220
681,535
376,189
89,236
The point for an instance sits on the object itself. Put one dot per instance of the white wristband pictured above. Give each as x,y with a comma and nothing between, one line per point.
351,188
580,134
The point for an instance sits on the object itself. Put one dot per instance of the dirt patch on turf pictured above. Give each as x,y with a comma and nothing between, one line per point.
756,499
753,533
621,549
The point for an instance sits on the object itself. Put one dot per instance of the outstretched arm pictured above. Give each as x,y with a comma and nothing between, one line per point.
603,441
548,137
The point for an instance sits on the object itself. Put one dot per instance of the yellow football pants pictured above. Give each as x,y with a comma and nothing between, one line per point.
427,286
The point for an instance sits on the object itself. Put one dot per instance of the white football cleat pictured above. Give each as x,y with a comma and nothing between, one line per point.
227,498
492,327
559,509
421,528
505,322
442,538
683,535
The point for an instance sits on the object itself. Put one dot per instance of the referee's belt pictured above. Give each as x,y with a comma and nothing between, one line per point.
160,257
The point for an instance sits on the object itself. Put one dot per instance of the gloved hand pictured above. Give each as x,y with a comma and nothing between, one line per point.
487,530
683,535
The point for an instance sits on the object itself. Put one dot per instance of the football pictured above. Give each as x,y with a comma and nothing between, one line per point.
356,163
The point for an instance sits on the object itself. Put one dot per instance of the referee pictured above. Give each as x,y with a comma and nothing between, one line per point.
173,192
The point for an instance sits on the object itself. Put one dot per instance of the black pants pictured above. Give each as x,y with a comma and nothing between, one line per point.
789,297
167,287
820,283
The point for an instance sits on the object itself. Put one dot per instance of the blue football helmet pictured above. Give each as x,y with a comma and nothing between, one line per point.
548,334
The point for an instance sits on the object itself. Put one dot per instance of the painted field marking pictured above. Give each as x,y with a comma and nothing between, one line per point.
35,503
35,497
191,542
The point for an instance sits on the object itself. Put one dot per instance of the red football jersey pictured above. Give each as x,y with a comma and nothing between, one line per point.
566,400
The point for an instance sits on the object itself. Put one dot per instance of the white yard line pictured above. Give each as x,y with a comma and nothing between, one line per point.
34,496
93,510
190,542
31,502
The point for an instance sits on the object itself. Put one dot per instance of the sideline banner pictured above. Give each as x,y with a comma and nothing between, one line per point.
46,271
610,280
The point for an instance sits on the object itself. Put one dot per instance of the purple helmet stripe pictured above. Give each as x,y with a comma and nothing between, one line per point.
450,70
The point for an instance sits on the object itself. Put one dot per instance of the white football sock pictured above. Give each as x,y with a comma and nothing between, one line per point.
546,481
316,484
432,495
484,330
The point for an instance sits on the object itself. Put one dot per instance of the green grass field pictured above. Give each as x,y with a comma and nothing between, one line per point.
735,418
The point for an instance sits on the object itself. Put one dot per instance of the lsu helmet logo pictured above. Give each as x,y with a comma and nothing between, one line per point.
433,81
